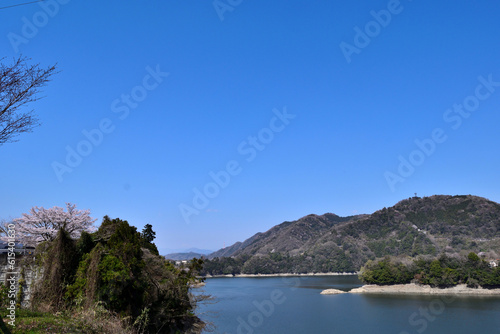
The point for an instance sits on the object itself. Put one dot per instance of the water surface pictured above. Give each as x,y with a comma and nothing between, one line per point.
294,305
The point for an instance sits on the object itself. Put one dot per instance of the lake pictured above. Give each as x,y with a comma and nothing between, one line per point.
294,305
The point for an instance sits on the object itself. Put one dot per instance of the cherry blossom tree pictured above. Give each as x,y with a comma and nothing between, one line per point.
42,224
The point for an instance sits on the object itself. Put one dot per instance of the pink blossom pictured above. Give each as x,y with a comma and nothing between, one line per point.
42,224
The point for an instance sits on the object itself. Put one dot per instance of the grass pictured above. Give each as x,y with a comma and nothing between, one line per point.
30,322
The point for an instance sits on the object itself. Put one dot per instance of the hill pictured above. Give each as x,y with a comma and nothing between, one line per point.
286,237
115,271
415,226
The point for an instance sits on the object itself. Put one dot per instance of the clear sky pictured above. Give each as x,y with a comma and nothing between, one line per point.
293,107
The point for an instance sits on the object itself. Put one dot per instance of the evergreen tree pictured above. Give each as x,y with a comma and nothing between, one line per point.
148,234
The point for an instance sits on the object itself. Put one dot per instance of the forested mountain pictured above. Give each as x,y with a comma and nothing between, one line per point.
286,237
327,243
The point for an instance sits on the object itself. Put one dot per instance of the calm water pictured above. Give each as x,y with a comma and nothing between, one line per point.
294,305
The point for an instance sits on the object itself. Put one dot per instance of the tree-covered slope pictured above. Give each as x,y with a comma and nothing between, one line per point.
285,237
415,226
117,269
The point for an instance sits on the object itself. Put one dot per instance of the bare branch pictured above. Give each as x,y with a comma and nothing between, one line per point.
20,84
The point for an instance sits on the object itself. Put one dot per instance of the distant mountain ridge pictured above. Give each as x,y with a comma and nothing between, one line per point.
197,250
414,226
188,250
183,256
187,254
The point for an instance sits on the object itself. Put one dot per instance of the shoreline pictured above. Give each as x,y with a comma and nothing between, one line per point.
414,289
279,275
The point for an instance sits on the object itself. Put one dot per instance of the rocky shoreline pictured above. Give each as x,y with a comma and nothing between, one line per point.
281,275
197,285
415,289
332,292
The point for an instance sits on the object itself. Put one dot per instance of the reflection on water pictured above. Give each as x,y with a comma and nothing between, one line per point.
344,283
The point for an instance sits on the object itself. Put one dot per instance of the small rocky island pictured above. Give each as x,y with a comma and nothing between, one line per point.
416,289
468,275
332,292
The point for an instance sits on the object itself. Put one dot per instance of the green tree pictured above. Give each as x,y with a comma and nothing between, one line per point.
385,272
129,279
148,234
435,273
147,237
473,258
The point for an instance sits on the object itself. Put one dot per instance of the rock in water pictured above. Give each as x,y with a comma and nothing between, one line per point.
331,292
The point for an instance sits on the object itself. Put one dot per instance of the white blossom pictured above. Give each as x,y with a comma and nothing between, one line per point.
42,224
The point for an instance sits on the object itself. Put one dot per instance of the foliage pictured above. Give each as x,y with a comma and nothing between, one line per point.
444,271
222,266
413,227
95,320
112,274
59,265
141,323
278,262
126,278
85,244
4,292
148,234
385,272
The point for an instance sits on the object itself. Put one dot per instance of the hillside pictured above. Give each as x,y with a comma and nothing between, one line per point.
414,226
285,237
114,271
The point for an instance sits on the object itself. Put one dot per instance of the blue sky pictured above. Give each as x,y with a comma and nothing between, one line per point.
353,117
